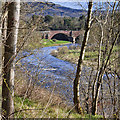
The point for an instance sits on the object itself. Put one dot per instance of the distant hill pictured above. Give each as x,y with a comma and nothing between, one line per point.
55,9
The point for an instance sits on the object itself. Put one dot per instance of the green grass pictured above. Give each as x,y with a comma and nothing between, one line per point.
91,56
27,104
87,116
88,55
46,43
37,109
116,48
31,109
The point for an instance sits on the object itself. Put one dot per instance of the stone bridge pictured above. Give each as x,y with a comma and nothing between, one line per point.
62,35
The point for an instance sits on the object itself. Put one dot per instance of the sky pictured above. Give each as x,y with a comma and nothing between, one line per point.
76,4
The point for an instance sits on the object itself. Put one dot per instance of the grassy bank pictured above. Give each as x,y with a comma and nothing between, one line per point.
46,43
32,109
72,55
33,101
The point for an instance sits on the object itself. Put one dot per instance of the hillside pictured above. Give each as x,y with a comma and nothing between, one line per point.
55,9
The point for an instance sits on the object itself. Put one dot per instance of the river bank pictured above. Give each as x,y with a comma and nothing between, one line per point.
37,44
51,76
71,54
39,82
33,101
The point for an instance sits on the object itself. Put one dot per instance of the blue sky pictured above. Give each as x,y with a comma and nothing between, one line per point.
75,5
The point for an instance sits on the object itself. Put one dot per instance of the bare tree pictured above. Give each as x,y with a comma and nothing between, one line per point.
113,37
80,61
9,59
3,26
0,41
119,69
0,56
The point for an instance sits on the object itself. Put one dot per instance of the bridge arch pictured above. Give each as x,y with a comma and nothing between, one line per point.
65,35
60,36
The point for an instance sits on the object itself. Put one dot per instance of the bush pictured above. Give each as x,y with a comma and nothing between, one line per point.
63,50
72,47
54,53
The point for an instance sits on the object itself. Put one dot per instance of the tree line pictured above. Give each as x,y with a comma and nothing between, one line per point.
59,23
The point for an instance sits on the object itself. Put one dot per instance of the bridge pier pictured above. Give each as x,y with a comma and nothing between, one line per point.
73,40
43,36
46,36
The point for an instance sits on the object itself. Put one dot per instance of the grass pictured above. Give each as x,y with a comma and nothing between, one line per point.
36,105
90,56
73,55
46,43
39,104
25,109
37,110
31,109
116,48
87,116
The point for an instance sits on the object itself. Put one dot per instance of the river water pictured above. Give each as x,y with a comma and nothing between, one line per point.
50,72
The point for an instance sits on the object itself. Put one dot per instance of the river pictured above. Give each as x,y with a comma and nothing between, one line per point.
50,72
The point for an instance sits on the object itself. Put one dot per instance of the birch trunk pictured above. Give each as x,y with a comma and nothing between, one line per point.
99,63
0,56
9,56
80,61
119,75
101,73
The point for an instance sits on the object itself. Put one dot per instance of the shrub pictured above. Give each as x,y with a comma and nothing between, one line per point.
63,50
54,53
72,47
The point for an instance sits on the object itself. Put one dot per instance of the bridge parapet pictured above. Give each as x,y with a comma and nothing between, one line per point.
70,34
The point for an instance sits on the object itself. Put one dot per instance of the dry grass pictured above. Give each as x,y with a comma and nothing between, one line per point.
34,92
72,55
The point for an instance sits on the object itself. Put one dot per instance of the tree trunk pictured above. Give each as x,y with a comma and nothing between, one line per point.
0,56
100,76
119,87
98,67
0,41
119,75
80,61
9,56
